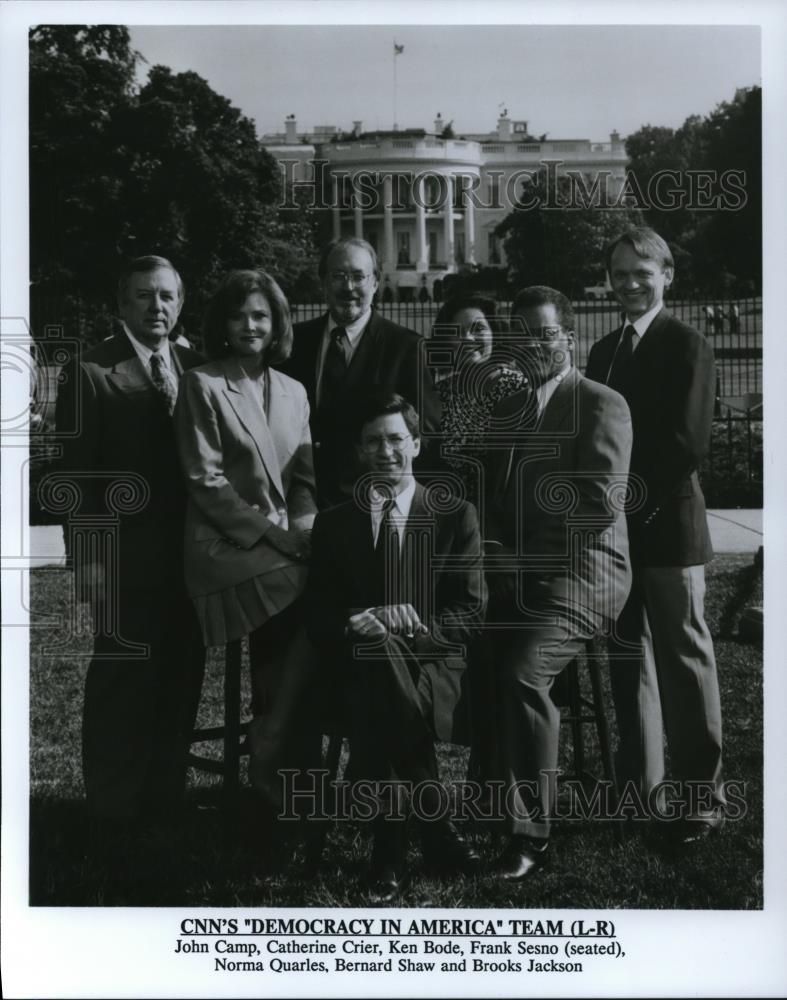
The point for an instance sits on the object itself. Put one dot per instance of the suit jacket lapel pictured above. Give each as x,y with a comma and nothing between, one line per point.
361,550
561,404
279,415
366,355
128,373
508,465
177,365
416,552
238,393
648,343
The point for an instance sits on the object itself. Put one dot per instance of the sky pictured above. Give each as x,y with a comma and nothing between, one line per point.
564,80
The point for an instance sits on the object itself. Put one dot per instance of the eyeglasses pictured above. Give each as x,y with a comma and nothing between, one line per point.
395,442
544,332
356,278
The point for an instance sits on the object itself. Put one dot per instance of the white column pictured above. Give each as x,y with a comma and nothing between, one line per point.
422,263
357,218
335,210
469,231
448,222
389,251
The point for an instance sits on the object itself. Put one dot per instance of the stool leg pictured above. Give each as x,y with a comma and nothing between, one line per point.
232,661
315,841
575,708
602,729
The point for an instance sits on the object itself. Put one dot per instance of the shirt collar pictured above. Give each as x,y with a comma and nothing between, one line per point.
402,501
546,390
641,325
353,330
144,352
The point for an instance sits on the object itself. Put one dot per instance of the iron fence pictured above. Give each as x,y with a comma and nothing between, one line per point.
735,331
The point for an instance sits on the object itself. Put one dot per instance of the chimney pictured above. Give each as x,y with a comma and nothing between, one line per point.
290,130
504,126
439,124
357,128
614,138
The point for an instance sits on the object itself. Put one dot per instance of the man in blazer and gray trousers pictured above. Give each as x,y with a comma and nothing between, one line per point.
143,682
350,351
558,457
661,658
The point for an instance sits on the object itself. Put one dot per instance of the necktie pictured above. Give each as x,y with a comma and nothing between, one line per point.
335,366
163,382
620,371
386,556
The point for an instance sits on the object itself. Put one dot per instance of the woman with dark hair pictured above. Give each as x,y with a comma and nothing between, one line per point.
477,374
244,442
475,377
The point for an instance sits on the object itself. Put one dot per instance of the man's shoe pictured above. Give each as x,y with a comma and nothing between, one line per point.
446,852
385,884
522,858
692,833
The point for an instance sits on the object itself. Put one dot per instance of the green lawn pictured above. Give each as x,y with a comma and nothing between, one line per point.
212,859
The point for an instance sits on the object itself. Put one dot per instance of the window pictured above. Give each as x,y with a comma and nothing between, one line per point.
403,247
432,249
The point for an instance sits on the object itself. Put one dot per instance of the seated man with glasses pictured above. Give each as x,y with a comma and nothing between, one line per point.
557,552
348,351
396,595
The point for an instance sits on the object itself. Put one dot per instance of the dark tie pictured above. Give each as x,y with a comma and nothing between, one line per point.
620,372
162,381
335,366
386,557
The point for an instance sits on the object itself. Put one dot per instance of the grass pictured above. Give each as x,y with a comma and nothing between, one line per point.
212,858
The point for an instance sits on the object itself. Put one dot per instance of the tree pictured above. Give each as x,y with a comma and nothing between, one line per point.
731,240
716,160
199,181
80,79
553,243
169,168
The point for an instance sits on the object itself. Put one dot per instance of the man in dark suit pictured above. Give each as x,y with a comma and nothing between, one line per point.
348,351
556,538
395,595
662,661
144,679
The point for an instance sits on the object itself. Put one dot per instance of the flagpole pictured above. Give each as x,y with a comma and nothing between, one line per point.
395,126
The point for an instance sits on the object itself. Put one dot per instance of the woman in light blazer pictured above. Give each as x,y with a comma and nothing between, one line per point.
244,442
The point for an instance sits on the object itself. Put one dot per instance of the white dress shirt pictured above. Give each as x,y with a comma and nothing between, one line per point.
641,325
354,331
144,353
400,510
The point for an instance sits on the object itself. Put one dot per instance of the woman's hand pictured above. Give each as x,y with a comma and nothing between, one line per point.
295,543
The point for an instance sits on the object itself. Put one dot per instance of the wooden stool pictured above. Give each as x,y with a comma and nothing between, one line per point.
233,733
579,710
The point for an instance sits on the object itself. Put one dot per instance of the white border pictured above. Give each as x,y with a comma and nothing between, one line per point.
119,952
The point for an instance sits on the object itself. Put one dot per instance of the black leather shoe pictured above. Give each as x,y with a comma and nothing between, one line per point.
692,833
521,858
385,884
446,852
